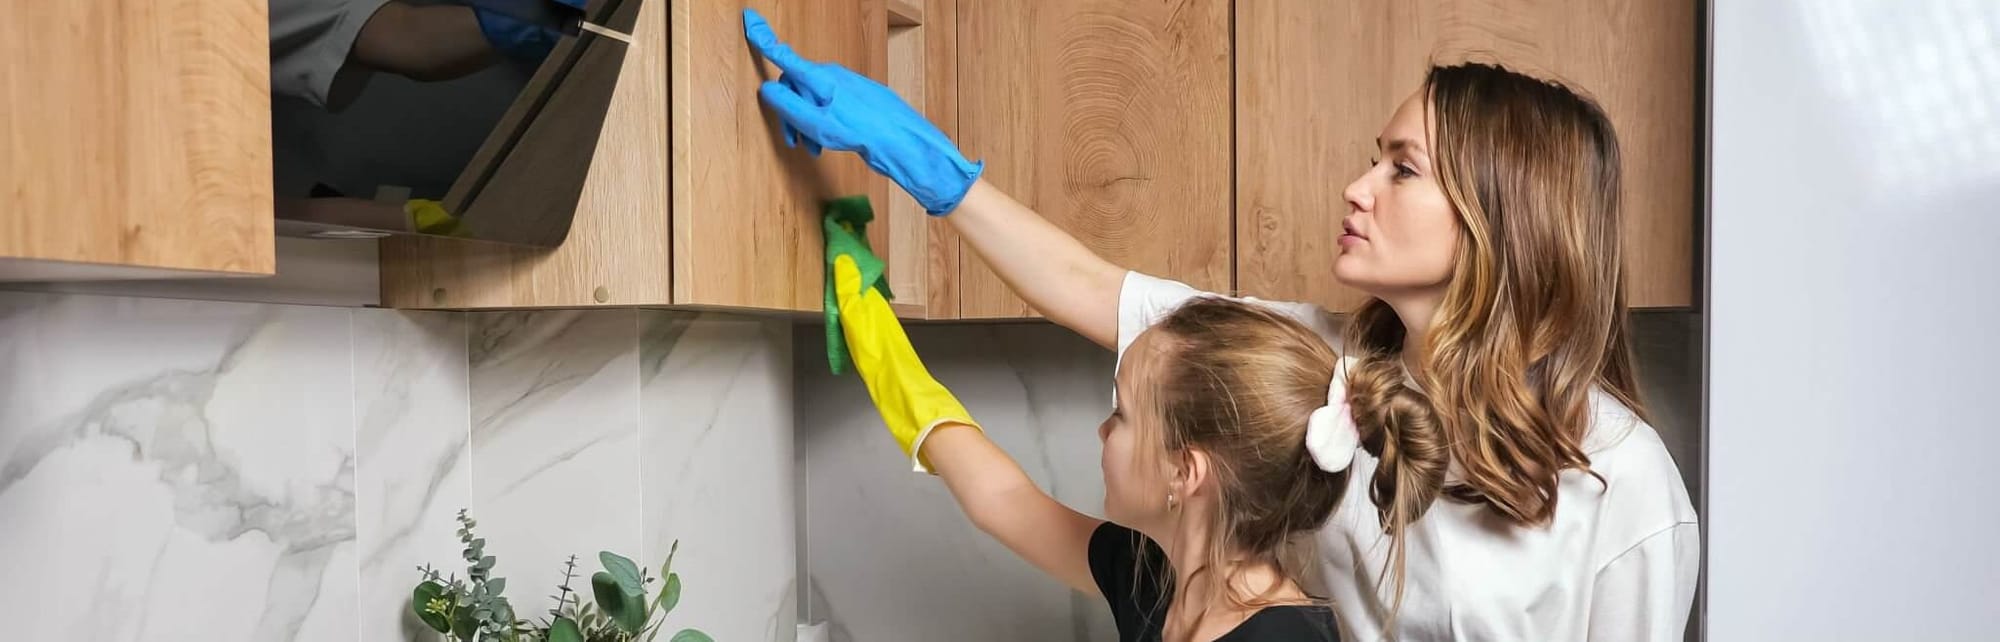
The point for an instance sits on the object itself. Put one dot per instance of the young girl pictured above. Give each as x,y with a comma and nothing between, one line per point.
1221,449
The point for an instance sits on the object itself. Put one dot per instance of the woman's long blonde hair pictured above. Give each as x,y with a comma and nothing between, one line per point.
1532,320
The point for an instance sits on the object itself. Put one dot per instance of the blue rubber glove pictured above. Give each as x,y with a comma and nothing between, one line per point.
829,106
524,30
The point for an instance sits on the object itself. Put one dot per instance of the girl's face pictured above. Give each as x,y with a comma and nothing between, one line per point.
1135,482
1400,235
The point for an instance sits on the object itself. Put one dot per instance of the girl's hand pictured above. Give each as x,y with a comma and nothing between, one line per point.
911,402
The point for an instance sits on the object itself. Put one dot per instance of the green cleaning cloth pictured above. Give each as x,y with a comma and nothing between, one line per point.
846,223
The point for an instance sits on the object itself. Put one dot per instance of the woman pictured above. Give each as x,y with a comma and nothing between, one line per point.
1502,437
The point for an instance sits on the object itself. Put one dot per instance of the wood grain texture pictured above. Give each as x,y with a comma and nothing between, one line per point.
1111,119
746,208
905,13
136,134
617,250
941,106
908,254
1316,82
923,261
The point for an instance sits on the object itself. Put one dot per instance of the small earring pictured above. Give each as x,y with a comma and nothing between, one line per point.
1173,503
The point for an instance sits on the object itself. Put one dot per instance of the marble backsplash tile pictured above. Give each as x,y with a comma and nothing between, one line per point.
175,470
555,436
414,457
715,404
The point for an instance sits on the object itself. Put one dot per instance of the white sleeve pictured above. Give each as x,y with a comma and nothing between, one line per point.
1144,300
310,43
1647,592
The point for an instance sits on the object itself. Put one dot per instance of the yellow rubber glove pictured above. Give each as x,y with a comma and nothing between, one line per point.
912,403
429,217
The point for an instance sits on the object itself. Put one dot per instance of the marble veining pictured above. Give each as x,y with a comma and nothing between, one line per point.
412,437
168,472
716,441
554,399
177,470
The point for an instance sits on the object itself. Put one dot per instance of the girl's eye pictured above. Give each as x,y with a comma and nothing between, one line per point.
1405,171
1372,162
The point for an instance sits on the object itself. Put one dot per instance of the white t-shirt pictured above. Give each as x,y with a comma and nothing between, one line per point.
310,42
1619,561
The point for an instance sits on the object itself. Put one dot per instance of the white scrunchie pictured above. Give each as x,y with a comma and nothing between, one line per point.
1331,436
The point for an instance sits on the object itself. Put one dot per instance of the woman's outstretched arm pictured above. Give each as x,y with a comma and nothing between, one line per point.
1050,269
824,106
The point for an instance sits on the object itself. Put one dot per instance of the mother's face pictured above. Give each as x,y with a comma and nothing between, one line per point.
1400,235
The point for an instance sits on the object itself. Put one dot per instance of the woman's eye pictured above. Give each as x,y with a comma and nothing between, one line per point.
1405,171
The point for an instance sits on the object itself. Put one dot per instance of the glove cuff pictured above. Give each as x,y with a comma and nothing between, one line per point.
921,464
943,204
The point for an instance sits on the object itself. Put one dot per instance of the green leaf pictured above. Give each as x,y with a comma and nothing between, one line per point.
463,624
496,585
565,630
626,610
691,635
668,568
670,595
624,571
606,591
485,563
421,601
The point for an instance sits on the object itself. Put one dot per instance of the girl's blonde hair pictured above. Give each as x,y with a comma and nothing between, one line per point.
1237,382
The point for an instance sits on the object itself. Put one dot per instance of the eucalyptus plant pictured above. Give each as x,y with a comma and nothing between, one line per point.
475,609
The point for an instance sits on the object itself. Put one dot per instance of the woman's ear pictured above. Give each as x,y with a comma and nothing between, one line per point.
1196,473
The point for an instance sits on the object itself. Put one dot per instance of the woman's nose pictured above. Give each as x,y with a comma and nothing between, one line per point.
1357,195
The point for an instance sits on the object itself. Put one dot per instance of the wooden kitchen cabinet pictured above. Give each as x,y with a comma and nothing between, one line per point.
1205,141
1317,80
136,140
1111,119
693,199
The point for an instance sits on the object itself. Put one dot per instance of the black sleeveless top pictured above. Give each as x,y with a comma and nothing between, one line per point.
1138,598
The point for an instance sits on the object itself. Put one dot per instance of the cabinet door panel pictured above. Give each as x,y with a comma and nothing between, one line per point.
135,140
1110,118
746,208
